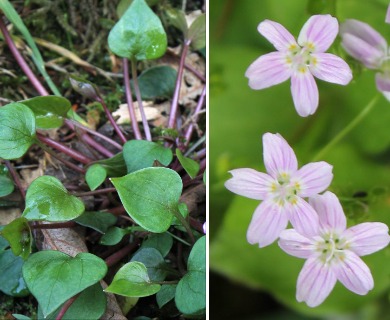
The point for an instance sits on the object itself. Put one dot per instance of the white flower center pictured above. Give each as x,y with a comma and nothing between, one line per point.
300,58
331,248
284,190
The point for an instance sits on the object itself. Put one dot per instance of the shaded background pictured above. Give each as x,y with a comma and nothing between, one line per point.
251,283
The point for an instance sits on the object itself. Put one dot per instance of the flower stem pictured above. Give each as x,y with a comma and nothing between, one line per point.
111,119
139,99
347,129
129,99
20,60
185,224
175,99
16,178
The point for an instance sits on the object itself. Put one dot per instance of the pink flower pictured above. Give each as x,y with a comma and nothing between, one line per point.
300,61
387,19
366,45
282,191
333,251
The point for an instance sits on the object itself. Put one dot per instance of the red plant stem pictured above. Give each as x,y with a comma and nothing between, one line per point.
97,146
60,147
20,60
176,94
94,192
196,225
139,99
54,155
59,225
190,128
120,254
117,211
112,121
93,132
66,306
129,99
15,176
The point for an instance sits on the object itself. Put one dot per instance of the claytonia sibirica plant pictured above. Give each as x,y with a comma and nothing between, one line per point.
282,190
300,60
366,45
333,252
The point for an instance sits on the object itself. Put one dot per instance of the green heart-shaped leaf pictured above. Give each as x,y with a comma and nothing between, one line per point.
132,280
47,199
153,261
49,111
97,220
90,304
114,166
11,279
6,184
53,277
190,295
197,32
113,236
161,241
150,196
189,165
17,130
95,176
166,294
139,154
138,34
157,82
19,236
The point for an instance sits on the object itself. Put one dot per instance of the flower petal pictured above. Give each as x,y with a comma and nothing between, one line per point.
295,244
382,82
279,157
278,35
304,92
387,20
354,274
315,282
303,217
330,212
366,238
330,68
364,32
363,43
267,223
250,183
319,31
313,178
268,70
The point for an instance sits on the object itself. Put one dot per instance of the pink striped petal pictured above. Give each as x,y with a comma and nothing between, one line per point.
268,70
267,223
304,92
320,31
357,48
303,217
330,212
313,178
366,238
354,274
278,35
279,157
250,183
295,244
330,68
364,32
382,82
315,282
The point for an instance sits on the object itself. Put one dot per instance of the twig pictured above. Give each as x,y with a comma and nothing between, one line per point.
129,99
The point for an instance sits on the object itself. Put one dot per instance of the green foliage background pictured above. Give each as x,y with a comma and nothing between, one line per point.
239,116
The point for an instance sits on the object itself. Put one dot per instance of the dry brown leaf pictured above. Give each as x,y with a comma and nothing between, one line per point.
124,117
8,215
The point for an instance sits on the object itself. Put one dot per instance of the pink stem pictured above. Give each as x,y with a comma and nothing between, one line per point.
190,128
